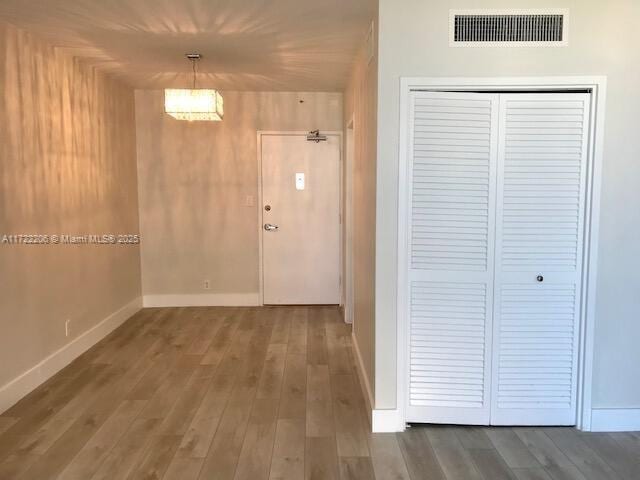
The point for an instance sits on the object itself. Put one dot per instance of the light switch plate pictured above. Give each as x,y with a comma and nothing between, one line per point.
299,181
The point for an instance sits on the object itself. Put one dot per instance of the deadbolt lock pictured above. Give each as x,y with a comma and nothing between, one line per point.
267,208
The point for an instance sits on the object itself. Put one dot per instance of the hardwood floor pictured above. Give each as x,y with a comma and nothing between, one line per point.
260,393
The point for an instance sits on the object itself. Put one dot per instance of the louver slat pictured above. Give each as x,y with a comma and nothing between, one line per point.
539,233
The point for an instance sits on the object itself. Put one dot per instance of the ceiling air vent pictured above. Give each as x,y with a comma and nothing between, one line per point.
494,28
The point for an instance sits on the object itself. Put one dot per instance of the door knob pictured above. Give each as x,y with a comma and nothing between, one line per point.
540,278
269,227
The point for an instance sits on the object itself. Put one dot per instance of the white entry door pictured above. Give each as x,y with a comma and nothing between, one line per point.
300,220
496,211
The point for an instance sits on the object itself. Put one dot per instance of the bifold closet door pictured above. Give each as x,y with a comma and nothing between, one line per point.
452,175
542,163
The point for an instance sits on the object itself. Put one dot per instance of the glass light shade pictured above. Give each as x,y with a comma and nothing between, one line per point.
194,104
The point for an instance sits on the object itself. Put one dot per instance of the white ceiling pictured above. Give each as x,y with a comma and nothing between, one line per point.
246,44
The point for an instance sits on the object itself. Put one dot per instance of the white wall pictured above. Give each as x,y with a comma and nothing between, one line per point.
360,103
67,166
193,182
605,40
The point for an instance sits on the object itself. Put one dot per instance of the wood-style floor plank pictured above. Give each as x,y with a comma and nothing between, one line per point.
623,459
581,455
316,338
257,449
321,460
287,461
222,458
510,447
387,458
418,455
491,465
454,459
128,452
474,438
156,458
293,401
88,460
319,410
260,393
356,468
531,474
199,435
351,435
297,344
555,463
6,423
270,384
182,468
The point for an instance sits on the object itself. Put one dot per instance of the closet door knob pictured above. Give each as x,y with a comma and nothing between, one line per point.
540,278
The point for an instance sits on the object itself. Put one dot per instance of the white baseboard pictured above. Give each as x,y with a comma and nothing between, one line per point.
381,420
203,300
615,419
386,420
20,386
362,374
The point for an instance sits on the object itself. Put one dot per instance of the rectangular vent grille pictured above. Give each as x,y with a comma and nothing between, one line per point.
478,28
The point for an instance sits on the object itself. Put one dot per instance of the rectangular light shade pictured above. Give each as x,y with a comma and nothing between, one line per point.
194,104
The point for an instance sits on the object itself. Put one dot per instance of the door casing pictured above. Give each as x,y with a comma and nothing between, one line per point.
596,86
259,203
347,224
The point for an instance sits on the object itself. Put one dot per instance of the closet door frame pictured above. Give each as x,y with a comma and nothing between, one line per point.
596,87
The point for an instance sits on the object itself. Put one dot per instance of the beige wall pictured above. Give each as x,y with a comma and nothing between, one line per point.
67,166
193,182
360,103
604,40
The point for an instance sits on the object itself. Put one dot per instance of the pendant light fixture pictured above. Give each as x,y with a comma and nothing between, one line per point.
195,103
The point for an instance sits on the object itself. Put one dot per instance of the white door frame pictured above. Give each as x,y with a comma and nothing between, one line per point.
596,85
260,206
348,219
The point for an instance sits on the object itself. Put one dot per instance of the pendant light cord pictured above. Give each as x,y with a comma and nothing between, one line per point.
193,62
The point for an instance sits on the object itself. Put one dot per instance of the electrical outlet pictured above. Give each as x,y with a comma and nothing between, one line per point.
206,285
67,325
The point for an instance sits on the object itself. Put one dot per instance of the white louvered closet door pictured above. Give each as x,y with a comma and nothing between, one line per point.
452,172
539,231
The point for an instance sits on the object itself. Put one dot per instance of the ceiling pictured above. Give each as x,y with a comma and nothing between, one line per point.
282,45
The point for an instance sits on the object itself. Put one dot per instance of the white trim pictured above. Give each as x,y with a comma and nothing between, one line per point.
26,382
347,222
387,420
203,300
590,255
615,419
510,11
362,374
260,134
597,86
